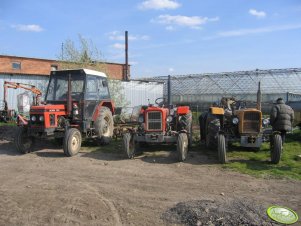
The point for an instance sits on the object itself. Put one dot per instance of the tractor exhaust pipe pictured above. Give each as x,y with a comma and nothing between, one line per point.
169,92
258,106
69,97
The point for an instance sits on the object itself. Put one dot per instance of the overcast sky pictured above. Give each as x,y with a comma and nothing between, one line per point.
165,36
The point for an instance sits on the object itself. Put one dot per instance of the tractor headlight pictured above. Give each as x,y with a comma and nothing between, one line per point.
41,118
265,122
169,118
33,118
141,118
235,121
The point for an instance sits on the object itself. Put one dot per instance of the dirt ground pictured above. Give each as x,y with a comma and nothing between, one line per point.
101,188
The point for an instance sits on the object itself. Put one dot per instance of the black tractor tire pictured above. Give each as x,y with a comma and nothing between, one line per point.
128,145
182,146
276,149
202,125
212,128
72,142
23,142
186,124
221,148
104,126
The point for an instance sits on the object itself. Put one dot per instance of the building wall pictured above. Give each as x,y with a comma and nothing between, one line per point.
34,66
29,66
40,82
115,71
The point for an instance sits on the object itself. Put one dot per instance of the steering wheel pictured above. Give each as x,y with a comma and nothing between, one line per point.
157,101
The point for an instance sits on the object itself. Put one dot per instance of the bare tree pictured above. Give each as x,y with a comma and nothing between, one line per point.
87,55
84,55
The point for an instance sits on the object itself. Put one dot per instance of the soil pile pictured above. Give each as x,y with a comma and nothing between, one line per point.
225,212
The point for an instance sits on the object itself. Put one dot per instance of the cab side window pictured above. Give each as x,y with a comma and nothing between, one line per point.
103,89
92,88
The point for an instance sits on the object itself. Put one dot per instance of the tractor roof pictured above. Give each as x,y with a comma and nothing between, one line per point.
87,71
92,72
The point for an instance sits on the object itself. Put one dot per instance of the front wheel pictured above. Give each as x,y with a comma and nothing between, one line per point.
72,142
23,142
182,146
276,149
129,145
221,147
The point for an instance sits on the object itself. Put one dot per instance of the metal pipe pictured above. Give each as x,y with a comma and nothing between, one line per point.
259,98
169,92
126,74
5,96
69,98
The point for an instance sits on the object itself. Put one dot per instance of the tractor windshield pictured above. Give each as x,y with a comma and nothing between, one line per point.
58,87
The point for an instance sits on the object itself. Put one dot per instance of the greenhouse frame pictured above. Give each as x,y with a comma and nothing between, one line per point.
205,89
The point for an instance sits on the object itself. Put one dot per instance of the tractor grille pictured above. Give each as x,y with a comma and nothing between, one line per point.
251,123
154,120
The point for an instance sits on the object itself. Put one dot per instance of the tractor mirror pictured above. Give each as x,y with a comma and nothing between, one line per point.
104,83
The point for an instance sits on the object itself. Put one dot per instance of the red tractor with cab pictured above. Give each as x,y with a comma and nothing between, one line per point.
159,124
77,104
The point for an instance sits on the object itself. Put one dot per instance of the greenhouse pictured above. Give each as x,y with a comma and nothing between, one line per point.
208,88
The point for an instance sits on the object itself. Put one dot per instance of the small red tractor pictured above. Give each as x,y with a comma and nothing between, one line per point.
160,124
77,103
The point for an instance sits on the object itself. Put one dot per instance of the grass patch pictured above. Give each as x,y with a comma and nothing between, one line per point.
113,147
8,124
258,163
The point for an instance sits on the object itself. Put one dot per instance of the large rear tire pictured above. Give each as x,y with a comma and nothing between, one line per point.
104,126
23,142
212,128
202,126
221,147
276,149
129,145
182,146
186,124
72,142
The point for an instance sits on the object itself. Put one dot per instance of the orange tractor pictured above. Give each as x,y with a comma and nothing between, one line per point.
233,122
77,103
160,124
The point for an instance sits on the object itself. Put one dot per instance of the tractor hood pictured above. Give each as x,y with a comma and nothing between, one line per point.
47,108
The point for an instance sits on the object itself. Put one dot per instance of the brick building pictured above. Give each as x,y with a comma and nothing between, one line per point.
14,65
36,72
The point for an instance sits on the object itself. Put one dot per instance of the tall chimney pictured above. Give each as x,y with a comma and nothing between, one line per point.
126,74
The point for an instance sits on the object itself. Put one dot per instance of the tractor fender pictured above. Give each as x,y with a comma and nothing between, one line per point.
109,104
183,110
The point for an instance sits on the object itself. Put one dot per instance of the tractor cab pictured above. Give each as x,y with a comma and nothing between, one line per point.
87,88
